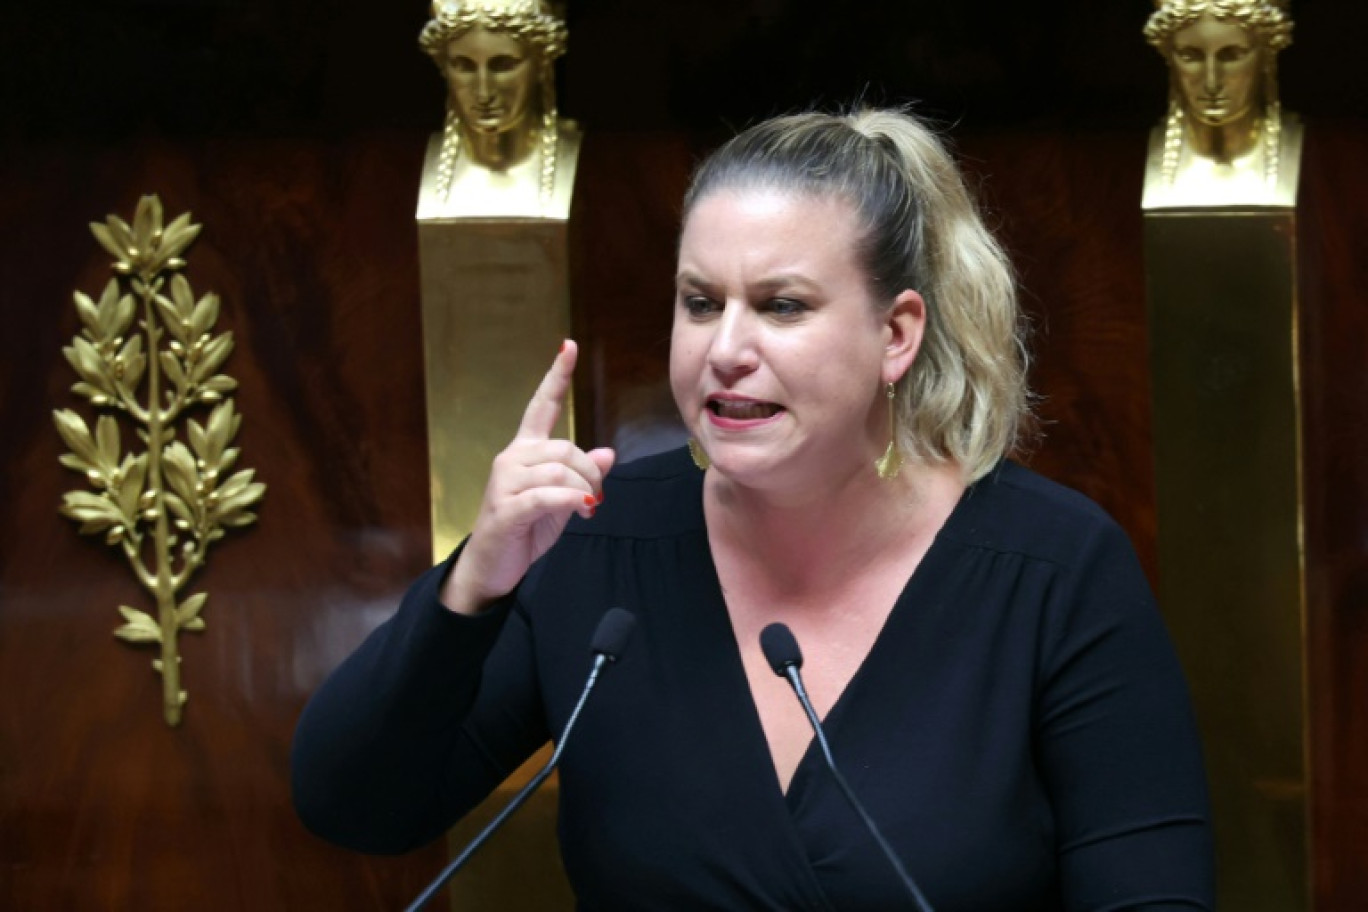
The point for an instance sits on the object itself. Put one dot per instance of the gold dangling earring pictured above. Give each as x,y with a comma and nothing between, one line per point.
699,457
889,464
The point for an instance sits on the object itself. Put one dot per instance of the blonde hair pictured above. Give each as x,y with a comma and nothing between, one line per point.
964,400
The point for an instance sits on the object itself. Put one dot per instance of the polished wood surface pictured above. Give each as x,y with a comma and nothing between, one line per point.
304,172
101,805
1071,225
1333,229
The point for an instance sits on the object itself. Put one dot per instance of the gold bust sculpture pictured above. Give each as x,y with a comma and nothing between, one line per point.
503,152
1226,140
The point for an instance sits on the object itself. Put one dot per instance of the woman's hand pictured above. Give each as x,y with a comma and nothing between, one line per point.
534,486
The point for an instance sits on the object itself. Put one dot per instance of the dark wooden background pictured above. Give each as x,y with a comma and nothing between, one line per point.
294,132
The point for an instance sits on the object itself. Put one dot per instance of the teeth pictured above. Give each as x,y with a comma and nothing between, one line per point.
744,411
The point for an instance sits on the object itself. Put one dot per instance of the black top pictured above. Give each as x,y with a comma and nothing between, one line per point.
1020,730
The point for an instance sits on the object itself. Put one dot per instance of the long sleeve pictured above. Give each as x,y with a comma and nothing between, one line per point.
1118,744
383,758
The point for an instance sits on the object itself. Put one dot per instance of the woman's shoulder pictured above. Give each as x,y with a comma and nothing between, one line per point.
1016,509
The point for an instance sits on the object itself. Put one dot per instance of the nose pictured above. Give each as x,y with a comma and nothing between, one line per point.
732,352
482,82
1213,77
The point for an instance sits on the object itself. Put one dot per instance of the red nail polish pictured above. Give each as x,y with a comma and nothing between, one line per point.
563,346
600,497
589,500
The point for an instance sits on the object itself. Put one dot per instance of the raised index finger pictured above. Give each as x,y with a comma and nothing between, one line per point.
539,420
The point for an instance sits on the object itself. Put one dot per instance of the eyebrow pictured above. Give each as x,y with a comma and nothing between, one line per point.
1196,46
780,281
458,55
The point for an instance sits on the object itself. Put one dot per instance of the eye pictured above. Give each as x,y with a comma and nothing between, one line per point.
785,307
505,63
462,65
1232,54
698,305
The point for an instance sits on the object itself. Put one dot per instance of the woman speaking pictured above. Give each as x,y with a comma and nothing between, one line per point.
980,643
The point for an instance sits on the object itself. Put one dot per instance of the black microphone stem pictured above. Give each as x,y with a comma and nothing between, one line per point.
523,794
794,678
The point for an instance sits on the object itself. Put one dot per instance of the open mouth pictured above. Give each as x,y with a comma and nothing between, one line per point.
743,410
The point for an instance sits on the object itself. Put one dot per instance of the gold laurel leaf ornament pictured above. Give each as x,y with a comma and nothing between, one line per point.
164,506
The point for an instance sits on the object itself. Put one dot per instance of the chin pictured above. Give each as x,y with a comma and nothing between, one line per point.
736,461
758,467
490,125
776,468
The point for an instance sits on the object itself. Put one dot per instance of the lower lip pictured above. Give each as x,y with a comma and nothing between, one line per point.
740,424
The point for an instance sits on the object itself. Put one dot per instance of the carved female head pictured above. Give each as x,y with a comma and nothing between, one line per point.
1221,54
1223,79
496,57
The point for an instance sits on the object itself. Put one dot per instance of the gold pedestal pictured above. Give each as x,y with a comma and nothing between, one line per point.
519,870
496,307
1223,309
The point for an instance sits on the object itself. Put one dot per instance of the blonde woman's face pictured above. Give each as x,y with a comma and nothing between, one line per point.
779,355
492,80
1217,64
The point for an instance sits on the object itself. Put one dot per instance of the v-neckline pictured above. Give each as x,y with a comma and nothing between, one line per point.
831,722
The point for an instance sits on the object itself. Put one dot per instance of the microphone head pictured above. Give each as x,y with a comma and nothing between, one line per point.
780,648
613,632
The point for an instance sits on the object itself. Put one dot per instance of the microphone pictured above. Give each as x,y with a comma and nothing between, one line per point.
782,652
608,644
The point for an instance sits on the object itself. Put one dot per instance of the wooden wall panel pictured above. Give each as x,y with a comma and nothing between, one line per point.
1066,204
1334,257
622,232
311,246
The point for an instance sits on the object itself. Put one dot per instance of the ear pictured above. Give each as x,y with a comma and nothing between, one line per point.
904,326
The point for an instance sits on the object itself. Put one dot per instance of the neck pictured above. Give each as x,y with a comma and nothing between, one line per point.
825,533
501,151
1224,143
